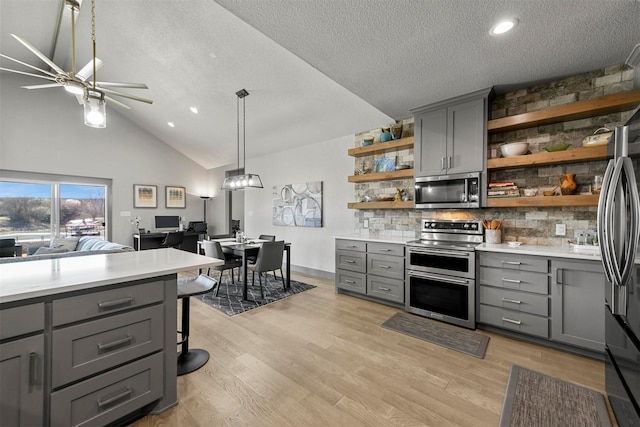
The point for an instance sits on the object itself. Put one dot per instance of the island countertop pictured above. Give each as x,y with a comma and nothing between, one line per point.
40,278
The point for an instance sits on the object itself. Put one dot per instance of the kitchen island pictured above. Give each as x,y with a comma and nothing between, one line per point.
90,339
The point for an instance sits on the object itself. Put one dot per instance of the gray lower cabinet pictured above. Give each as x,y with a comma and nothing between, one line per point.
513,292
578,304
373,269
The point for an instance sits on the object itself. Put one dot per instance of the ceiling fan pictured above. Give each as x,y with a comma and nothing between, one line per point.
78,83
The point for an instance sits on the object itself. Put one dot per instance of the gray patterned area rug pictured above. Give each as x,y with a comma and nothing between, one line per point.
534,399
449,336
229,299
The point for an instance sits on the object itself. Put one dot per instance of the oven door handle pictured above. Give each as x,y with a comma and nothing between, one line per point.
439,252
439,278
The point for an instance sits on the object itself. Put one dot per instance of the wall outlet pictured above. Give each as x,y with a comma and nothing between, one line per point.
365,224
561,230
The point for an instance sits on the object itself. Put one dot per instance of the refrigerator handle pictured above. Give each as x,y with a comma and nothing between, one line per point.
631,196
602,208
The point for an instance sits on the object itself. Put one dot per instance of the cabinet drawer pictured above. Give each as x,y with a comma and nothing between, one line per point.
385,249
351,281
87,348
518,280
352,261
21,320
84,307
107,397
515,300
515,262
514,320
386,265
386,289
351,245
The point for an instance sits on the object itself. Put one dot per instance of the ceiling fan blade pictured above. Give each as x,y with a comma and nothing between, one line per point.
127,85
28,65
39,54
126,95
118,103
87,70
27,74
42,86
80,99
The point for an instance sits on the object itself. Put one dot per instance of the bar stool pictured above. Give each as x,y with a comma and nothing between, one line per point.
190,360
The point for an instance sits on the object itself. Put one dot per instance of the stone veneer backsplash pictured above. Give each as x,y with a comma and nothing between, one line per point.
532,225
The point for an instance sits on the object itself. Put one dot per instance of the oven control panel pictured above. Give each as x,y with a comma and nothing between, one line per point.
452,226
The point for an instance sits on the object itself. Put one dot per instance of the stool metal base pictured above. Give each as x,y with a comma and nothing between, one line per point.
192,360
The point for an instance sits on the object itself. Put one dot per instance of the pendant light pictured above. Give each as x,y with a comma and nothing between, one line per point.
240,182
95,106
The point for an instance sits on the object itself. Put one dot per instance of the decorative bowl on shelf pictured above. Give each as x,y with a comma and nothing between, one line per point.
601,136
514,244
367,140
514,149
556,147
401,167
530,192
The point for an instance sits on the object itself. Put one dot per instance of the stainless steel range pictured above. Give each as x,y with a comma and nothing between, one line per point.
441,271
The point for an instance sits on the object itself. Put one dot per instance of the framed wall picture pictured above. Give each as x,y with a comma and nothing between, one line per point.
145,196
175,197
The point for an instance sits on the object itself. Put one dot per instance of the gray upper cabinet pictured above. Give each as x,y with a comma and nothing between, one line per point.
577,293
451,136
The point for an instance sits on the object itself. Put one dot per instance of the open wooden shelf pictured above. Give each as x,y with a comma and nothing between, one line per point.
584,154
608,104
544,201
382,147
381,205
382,176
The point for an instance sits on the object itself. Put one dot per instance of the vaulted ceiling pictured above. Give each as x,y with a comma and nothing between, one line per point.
315,69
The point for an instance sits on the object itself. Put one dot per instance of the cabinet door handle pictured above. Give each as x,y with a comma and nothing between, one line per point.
116,303
449,162
33,369
560,276
351,282
384,266
514,301
442,163
512,262
116,343
515,322
349,261
114,398
384,289
511,280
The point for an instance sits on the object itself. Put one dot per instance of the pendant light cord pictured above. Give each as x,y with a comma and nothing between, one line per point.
93,39
244,137
73,41
238,131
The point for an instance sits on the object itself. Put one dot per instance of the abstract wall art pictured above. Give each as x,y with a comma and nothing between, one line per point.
298,205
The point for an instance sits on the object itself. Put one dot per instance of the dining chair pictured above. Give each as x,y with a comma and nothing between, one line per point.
269,238
173,239
214,249
269,259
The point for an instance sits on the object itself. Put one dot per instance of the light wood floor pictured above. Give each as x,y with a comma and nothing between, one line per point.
322,359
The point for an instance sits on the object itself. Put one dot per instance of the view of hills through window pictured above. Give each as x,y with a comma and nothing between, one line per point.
33,212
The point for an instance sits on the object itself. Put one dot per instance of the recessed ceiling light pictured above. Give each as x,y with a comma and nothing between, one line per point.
194,110
503,26
171,124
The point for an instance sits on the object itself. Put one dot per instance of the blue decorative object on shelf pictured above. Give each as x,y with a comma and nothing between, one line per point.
385,135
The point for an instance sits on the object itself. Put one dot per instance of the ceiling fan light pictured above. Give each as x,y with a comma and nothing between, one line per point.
74,88
95,109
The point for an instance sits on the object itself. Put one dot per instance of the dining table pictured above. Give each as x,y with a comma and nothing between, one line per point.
247,249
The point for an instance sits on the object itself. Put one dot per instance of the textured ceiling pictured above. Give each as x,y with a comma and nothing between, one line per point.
315,69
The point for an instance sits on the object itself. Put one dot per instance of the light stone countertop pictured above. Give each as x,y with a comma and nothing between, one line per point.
383,239
39,278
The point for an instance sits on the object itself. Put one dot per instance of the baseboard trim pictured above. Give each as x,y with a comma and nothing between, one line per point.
313,272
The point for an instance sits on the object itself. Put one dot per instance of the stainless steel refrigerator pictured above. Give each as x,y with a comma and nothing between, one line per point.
619,233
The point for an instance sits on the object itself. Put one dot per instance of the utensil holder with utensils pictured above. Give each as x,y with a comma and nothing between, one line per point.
492,231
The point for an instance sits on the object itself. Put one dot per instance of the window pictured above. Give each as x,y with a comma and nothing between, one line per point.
36,207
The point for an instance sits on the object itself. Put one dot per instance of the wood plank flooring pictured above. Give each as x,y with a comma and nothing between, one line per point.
322,359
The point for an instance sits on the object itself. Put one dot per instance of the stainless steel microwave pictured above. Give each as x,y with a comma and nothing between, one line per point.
461,191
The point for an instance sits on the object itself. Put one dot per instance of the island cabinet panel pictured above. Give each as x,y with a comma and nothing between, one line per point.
578,303
21,382
372,269
21,320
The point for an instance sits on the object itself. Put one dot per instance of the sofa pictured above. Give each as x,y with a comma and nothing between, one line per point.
65,247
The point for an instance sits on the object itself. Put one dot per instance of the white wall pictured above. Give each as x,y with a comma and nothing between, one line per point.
327,161
43,131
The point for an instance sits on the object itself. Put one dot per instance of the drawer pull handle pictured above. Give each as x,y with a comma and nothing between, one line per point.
351,282
511,280
514,301
33,359
116,343
352,246
113,399
349,261
516,322
384,266
512,262
386,250
384,289
112,304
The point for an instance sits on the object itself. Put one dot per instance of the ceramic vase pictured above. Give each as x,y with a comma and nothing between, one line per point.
385,135
568,184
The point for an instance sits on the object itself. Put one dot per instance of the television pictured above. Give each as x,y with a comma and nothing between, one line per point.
197,227
167,222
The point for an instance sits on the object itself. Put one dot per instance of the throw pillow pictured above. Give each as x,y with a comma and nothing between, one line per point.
45,250
68,243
